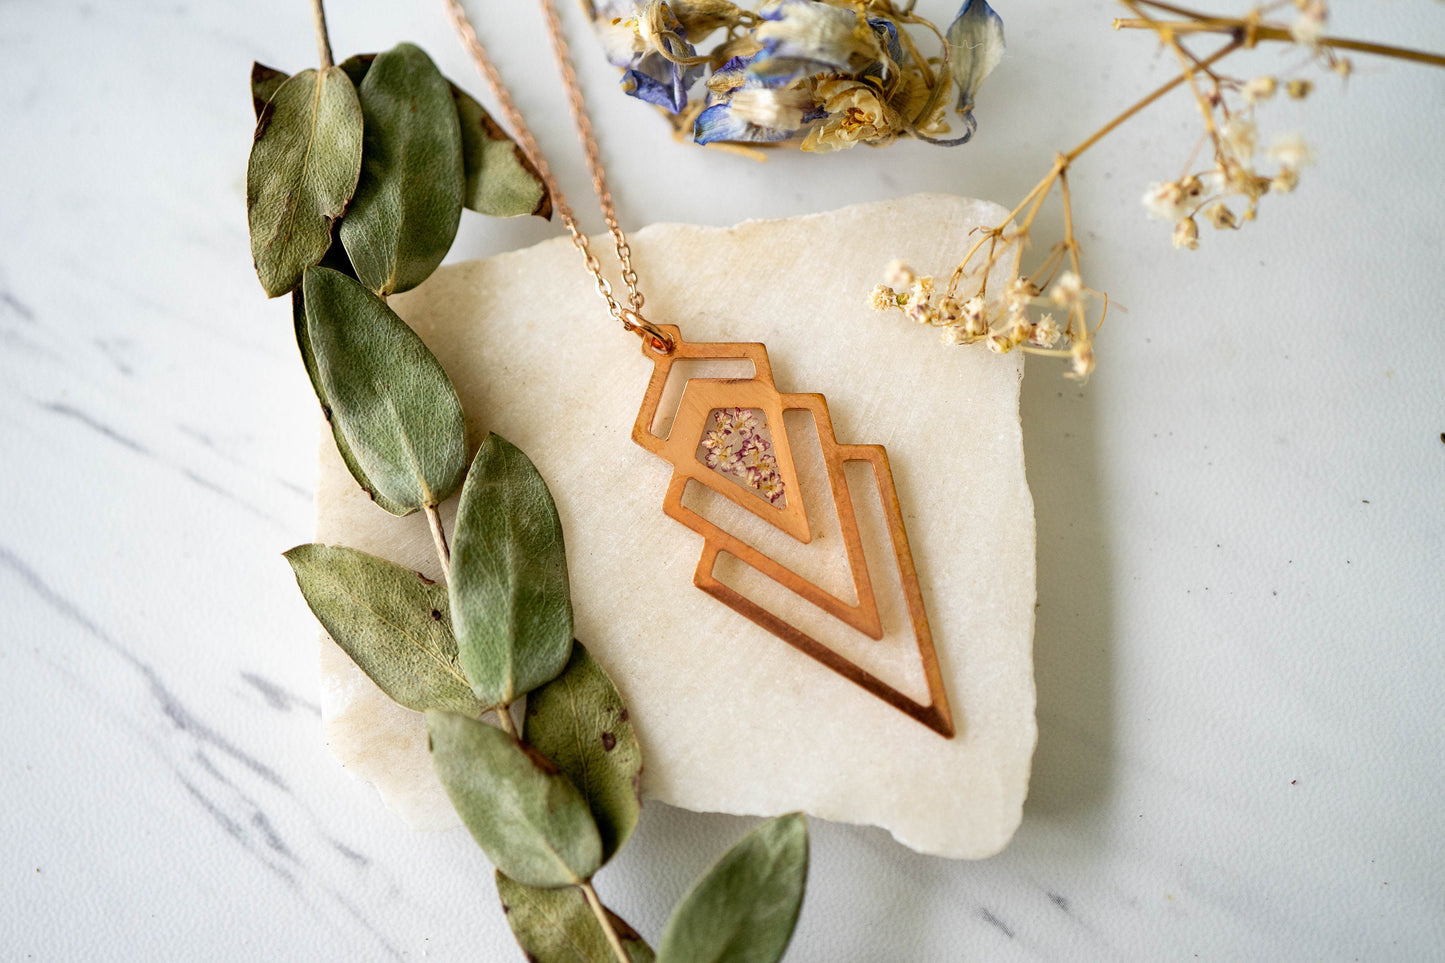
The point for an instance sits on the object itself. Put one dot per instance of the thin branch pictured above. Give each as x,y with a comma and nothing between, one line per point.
439,538
504,719
599,911
323,40
1108,128
1275,33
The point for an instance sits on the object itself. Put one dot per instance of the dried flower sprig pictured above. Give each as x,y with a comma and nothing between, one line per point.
1225,194
820,75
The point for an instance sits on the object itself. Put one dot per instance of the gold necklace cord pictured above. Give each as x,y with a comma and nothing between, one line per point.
631,316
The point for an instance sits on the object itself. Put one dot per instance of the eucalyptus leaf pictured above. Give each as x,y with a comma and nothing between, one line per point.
409,200
500,179
579,722
527,816
745,908
265,81
303,170
393,622
557,926
356,67
398,417
510,598
343,448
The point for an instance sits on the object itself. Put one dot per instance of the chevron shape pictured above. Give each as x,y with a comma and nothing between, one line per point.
700,398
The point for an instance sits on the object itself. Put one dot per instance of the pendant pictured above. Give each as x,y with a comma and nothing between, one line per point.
729,436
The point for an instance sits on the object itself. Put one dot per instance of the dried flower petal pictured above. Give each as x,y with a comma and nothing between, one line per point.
1259,89
1186,234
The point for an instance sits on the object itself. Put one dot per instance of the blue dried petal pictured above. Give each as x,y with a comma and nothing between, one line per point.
655,79
887,32
976,45
719,123
881,70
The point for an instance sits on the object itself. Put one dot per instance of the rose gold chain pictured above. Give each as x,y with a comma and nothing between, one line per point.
630,315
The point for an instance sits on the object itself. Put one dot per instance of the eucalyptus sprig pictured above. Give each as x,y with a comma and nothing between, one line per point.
356,182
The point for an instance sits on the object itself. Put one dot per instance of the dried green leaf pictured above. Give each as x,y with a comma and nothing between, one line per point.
303,170
265,81
745,908
557,926
308,359
393,622
512,605
409,201
356,67
579,722
501,180
398,417
527,816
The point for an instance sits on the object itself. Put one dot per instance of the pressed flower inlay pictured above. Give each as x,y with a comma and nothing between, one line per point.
738,445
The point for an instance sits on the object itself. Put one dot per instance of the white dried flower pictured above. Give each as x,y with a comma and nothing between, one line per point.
1068,290
953,335
922,290
950,310
1285,181
898,275
1186,234
1238,137
1291,152
1309,27
1220,216
1258,89
1083,360
921,311
1167,202
973,314
1046,332
1018,297
882,298
1237,178
1000,344
1020,330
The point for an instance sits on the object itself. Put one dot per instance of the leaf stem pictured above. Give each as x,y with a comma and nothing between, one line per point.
599,911
439,537
504,719
323,41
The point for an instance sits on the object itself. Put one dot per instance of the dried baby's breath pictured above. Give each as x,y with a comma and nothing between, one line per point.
1226,192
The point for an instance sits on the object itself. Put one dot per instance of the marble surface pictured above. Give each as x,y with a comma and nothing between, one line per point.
1241,528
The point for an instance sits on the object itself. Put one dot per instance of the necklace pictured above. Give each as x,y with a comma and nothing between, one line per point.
729,435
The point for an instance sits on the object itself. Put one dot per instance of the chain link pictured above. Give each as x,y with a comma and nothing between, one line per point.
630,317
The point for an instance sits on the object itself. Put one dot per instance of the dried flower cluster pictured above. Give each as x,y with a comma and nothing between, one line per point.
822,75
739,445
1021,317
1225,194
